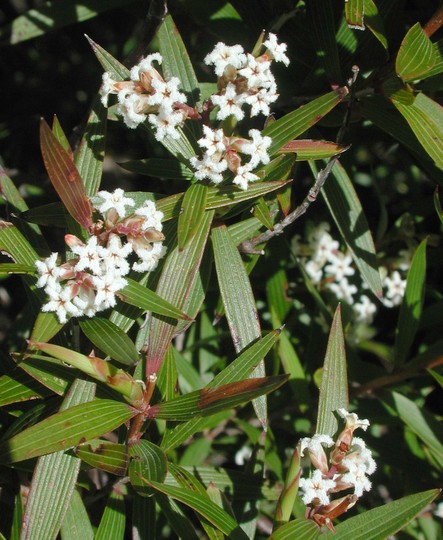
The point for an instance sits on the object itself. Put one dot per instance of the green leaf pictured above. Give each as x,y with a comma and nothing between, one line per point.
347,211
416,56
176,61
143,518
334,385
90,153
205,507
65,177
178,280
297,122
16,245
308,149
437,376
111,339
412,305
354,13
191,215
421,423
143,298
57,130
76,525
66,429
19,387
425,118
52,214
384,521
106,456
46,326
210,401
263,214
148,462
54,477
113,522
169,169
374,22
7,269
238,301
49,373
237,370
52,16
301,529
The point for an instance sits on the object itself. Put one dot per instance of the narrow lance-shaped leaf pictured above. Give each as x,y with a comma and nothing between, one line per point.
302,529
76,525
307,149
297,122
65,177
99,369
209,401
384,521
201,504
238,301
111,339
66,429
412,305
416,55
334,385
139,296
110,457
193,208
113,522
147,462
354,13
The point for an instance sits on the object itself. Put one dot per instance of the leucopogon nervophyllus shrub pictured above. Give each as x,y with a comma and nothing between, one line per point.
134,277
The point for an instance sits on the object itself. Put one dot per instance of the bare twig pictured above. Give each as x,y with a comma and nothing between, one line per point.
249,246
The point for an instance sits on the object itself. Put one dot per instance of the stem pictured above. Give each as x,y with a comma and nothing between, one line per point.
249,245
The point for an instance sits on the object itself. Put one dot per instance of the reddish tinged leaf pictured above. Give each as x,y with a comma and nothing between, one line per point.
64,177
312,149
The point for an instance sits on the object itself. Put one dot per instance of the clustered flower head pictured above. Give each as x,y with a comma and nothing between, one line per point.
222,153
327,266
244,79
147,96
88,282
345,467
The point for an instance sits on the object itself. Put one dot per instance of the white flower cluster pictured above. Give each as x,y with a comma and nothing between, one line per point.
329,267
88,282
347,467
245,79
222,153
148,96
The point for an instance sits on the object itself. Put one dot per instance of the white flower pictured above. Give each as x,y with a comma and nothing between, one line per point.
314,444
149,257
114,255
107,88
116,200
210,168
223,56
257,148
229,103
358,479
214,141
343,290
166,93
61,303
316,488
260,101
145,65
352,420
243,176
131,107
395,289
257,73
153,217
106,286
89,256
340,265
48,270
314,271
166,122
365,310
277,50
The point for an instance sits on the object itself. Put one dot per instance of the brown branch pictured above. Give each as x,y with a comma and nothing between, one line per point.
249,246
434,23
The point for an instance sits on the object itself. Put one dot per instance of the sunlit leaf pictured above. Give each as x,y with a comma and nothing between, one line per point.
191,215
307,149
334,386
113,522
416,55
302,529
110,457
76,525
147,462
